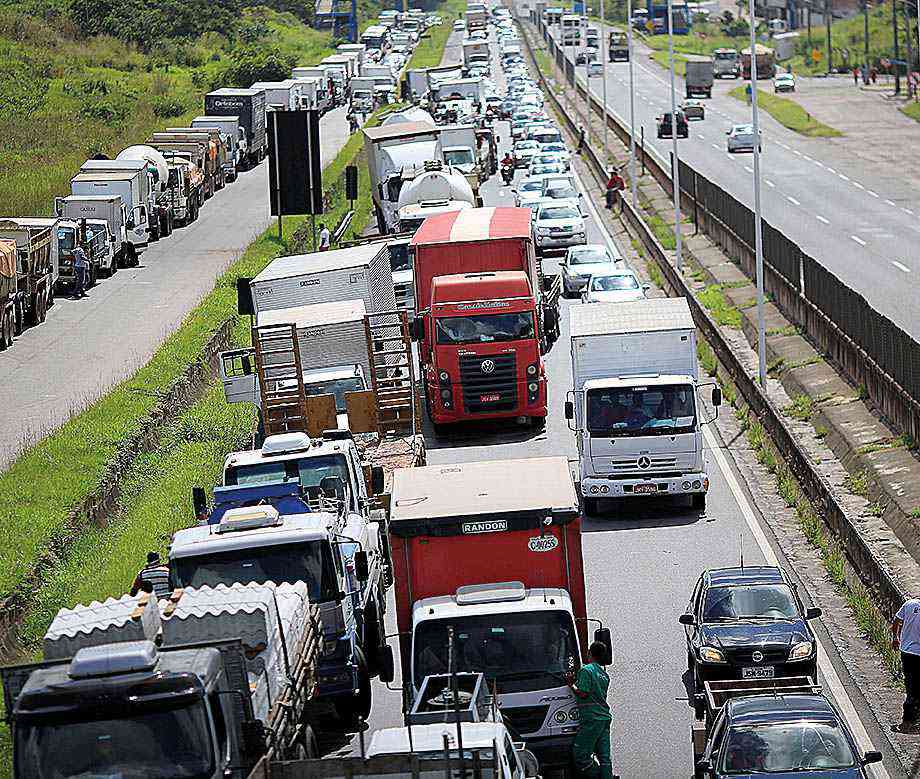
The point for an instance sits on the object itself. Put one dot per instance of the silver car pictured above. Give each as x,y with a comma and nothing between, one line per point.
558,225
619,286
583,262
529,191
741,138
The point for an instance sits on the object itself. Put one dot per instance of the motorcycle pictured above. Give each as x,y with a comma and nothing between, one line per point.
507,173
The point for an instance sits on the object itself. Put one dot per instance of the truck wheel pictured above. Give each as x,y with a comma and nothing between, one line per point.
372,639
698,501
591,505
18,318
6,331
355,709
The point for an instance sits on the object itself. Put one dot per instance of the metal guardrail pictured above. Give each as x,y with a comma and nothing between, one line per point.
873,573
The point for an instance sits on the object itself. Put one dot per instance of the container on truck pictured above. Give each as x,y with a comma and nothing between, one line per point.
199,148
279,95
618,46
493,551
418,83
268,529
218,680
443,73
186,188
234,138
432,189
411,114
249,106
634,407
92,236
766,64
219,151
315,89
382,75
159,170
349,63
389,150
353,48
463,88
29,283
476,19
131,188
726,63
475,52
698,76
100,209
485,315
376,37
337,74
146,183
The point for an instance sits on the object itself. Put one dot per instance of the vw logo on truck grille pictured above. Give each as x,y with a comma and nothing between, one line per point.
644,462
757,657
487,366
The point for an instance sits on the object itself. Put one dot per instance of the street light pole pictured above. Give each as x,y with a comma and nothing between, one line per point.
894,24
758,233
633,184
675,173
865,6
587,83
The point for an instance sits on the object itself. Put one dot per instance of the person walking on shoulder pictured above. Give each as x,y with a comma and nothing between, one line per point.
905,636
325,238
594,718
153,577
615,185
80,270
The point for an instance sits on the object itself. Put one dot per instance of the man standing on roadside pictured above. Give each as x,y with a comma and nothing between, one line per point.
593,737
325,238
153,577
615,185
905,635
80,268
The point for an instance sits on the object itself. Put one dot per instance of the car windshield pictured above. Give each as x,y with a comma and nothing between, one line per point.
744,129
588,257
529,650
613,283
531,186
751,601
725,55
459,157
630,411
552,167
561,193
554,147
484,328
526,145
307,561
309,471
164,741
559,212
786,747
95,229
336,387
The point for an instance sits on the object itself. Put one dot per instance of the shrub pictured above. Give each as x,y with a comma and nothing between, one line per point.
167,107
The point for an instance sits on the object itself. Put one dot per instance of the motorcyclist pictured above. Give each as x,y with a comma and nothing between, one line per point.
507,167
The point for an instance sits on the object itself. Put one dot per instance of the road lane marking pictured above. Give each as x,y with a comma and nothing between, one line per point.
858,185
907,210
748,168
858,240
806,157
889,202
899,266
831,170
793,200
714,145
796,151
828,672
769,183
822,219
845,178
782,144
870,192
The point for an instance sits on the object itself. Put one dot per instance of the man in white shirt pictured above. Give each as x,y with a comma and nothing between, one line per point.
325,238
905,635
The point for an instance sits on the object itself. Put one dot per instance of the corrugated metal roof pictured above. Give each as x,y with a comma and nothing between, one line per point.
128,618
319,262
474,224
641,316
315,314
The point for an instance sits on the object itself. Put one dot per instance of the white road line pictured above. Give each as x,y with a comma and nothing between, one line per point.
797,152
907,210
831,170
819,164
785,146
858,185
714,145
793,200
845,178
806,157
822,219
748,168
870,192
828,672
769,183
889,202
858,240
899,266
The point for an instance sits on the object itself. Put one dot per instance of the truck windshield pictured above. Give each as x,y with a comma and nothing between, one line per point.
160,742
336,387
729,56
309,562
459,157
786,747
520,651
67,238
630,411
484,328
309,471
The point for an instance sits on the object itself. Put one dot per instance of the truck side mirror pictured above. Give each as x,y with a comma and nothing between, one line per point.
362,568
199,502
602,635
386,665
716,396
377,479
417,329
59,206
569,410
813,613
686,619
872,757
704,765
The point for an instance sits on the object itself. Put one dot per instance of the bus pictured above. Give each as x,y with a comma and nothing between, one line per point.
571,29
680,14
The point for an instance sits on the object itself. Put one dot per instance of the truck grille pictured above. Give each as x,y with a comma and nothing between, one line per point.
485,391
525,719
657,464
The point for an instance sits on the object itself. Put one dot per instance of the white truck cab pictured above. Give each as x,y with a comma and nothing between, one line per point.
635,408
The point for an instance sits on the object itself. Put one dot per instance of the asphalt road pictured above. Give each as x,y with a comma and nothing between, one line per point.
88,346
641,562
859,221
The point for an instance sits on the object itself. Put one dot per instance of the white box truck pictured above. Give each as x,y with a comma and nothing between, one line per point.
357,273
131,187
634,408
99,208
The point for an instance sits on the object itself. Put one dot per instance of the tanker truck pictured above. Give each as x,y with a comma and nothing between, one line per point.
434,188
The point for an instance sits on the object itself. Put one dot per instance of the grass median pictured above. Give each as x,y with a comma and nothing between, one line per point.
789,114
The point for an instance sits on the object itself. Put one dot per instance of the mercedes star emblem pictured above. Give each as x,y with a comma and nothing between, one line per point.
757,657
644,462
487,366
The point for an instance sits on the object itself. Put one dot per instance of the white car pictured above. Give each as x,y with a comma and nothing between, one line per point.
583,262
741,138
547,158
558,148
523,152
784,82
558,225
459,26
619,286
529,191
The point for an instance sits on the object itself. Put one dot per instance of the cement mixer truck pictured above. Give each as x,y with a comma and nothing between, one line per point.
433,188
159,171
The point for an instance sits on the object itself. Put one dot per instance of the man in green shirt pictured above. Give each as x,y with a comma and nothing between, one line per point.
593,737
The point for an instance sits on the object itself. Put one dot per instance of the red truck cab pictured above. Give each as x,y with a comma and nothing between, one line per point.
479,323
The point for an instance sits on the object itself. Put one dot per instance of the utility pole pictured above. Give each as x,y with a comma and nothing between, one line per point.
808,22
758,232
828,15
910,50
897,56
605,55
675,172
633,183
865,7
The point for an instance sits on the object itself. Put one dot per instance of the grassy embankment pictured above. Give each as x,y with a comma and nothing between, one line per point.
789,114
430,49
69,98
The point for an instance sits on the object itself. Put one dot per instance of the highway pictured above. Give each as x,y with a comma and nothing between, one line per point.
859,221
641,562
88,346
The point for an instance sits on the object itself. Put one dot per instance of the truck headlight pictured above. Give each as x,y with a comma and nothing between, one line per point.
543,231
532,387
801,651
532,370
710,654
444,376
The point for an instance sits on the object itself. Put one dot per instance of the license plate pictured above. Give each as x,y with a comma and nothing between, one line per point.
489,398
762,672
645,489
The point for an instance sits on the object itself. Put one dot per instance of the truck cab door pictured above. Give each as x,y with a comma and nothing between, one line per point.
237,373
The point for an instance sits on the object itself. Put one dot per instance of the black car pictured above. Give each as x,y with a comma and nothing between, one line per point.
748,623
782,736
664,125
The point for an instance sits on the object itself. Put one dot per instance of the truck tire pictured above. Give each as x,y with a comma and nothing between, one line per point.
591,506
373,638
6,329
356,709
698,501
